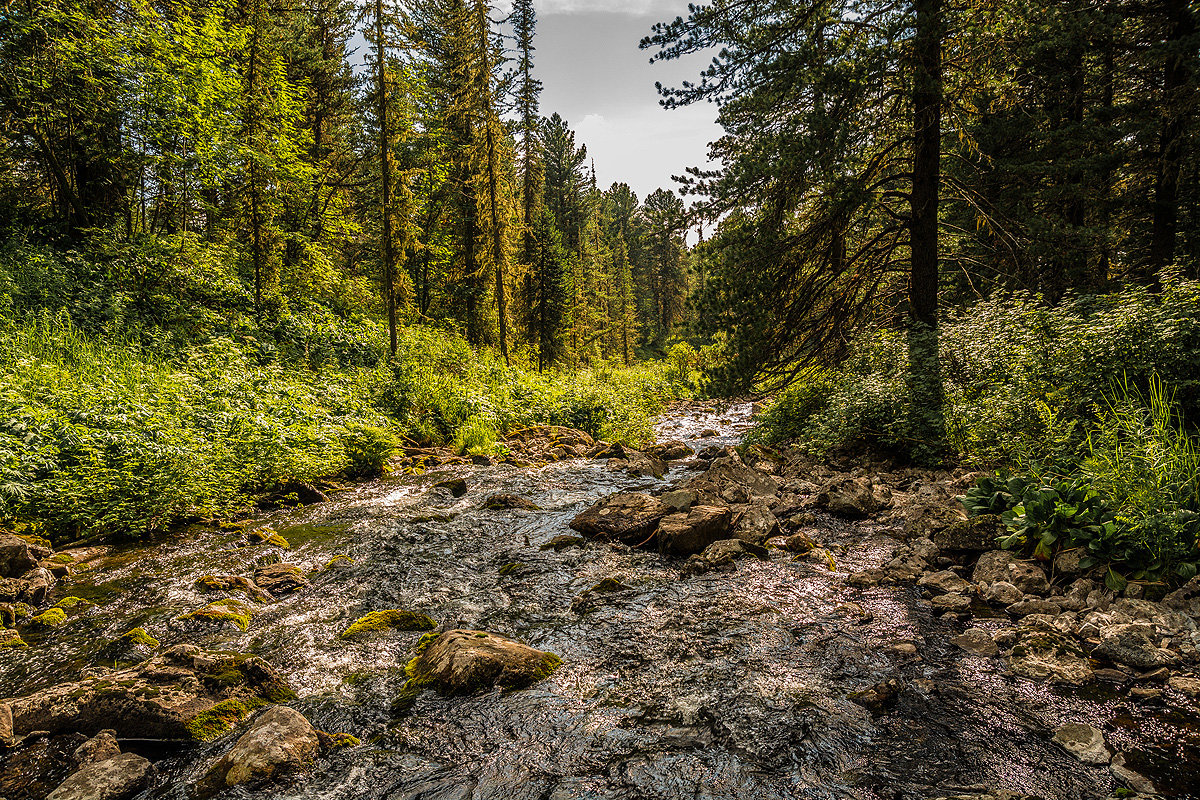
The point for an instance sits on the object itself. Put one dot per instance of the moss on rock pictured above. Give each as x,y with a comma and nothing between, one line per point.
338,562
74,603
50,618
10,639
227,610
221,718
391,619
268,536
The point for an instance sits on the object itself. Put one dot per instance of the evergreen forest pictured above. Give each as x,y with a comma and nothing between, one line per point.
357,441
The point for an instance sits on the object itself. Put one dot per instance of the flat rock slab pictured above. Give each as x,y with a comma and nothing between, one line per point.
464,661
280,579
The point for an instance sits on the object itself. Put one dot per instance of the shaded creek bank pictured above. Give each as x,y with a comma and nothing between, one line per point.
819,670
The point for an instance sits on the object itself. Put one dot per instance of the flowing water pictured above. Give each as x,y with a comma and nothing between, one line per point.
722,685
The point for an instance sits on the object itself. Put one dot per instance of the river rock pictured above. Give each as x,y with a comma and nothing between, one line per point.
1003,593
726,551
1133,645
100,747
643,465
1000,565
951,602
1084,742
598,595
117,778
504,502
1045,653
278,743
686,534
729,480
1034,605
159,699
1138,783
15,556
975,535
944,582
853,498
628,517
280,579
977,641
6,723
233,584
464,661
1186,598
755,523
680,499
670,451
562,542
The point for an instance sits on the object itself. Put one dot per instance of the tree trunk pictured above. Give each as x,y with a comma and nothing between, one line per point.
385,169
1175,103
925,382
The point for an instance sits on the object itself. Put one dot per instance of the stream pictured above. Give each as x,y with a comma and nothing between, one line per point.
719,685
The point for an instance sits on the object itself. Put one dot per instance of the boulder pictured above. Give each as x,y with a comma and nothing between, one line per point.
944,582
15,556
6,723
628,517
1067,562
1001,565
280,579
1186,598
977,641
755,523
464,661
799,543
279,742
1185,684
117,778
1133,645
853,498
951,602
1029,578
1084,742
171,696
1003,593
686,534
35,586
720,555
975,535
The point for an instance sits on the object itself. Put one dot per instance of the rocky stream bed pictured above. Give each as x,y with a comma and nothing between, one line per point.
587,621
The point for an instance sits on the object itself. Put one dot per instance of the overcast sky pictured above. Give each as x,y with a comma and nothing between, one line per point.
597,79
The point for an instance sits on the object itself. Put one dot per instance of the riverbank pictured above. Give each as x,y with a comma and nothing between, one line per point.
809,666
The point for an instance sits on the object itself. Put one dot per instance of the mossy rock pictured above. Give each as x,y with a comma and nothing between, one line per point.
233,583
221,718
10,639
133,646
270,537
222,611
509,569
398,619
74,604
50,618
464,661
62,558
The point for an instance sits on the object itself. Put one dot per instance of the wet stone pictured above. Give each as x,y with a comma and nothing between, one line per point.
944,582
1084,742
687,534
280,579
1003,593
279,742
628,517
560,543
977,641
951,602
456,486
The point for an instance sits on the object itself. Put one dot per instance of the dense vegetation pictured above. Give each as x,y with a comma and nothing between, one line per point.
234,262
967,232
